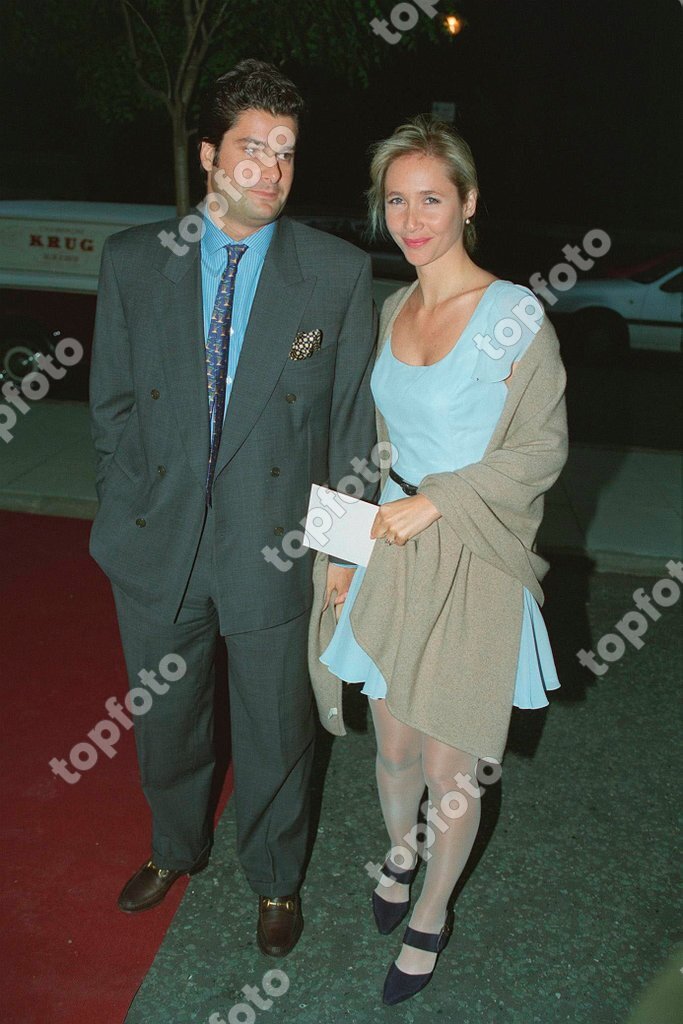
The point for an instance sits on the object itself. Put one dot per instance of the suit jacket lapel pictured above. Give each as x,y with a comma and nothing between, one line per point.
276,312
181,334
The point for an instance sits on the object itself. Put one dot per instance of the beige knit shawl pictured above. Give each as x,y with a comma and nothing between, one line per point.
441,616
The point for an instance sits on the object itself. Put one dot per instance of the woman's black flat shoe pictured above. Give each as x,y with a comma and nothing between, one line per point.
389,915
400,986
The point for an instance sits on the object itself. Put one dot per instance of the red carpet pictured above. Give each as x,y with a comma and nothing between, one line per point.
68,955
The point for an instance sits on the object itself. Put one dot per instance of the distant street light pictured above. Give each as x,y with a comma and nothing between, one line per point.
453,24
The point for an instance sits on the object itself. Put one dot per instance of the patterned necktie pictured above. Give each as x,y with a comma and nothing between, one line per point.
217,347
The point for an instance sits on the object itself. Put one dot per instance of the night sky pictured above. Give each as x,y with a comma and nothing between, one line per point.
571,109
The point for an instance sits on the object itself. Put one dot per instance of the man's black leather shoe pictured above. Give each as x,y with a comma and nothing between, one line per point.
149,885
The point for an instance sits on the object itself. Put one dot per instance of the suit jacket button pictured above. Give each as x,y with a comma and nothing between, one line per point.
141,522
155,394
161,470
275,471
290,398
279,531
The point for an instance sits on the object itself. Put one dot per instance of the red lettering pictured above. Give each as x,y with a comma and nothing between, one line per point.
52,242
87,245
36,240
69,243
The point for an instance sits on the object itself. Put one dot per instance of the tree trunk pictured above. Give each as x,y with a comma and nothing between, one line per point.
182,182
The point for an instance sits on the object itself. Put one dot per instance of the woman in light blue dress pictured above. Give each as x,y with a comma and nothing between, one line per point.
427,384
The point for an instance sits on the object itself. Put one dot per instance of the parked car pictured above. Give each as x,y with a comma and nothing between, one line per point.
652,267
604,316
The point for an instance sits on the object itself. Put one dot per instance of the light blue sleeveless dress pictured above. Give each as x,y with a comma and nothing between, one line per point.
440,418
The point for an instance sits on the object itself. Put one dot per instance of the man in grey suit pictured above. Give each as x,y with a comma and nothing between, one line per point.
229,373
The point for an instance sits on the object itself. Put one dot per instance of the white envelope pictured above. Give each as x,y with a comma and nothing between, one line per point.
339,525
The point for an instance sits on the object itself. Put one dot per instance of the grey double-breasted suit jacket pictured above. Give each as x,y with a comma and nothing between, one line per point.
289,422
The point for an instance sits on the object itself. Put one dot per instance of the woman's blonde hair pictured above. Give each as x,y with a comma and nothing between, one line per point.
428,136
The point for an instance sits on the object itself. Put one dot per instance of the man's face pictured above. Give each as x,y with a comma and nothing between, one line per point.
252,171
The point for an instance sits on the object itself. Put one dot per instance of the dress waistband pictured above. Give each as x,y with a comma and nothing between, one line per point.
409,489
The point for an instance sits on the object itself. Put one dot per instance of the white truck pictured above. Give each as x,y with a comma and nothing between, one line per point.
49,264
50,255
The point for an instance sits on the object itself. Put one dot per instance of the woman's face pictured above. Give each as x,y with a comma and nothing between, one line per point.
424,213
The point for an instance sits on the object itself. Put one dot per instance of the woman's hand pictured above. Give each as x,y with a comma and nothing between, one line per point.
339,579
400,521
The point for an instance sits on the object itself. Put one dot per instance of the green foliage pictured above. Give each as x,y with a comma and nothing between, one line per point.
90,37
132,55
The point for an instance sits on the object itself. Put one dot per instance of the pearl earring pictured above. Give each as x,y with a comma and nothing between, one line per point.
467,221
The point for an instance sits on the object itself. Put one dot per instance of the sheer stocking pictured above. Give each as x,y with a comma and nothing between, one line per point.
407,760
400,784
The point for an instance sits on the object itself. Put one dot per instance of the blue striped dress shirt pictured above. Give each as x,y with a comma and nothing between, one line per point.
214,258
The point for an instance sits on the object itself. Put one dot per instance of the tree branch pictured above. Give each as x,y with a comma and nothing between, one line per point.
181,88
221,18
137,61
188,15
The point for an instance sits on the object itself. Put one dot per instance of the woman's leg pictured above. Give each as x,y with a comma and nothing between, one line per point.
400,782
450,775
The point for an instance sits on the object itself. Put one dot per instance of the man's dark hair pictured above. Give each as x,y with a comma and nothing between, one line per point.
250,85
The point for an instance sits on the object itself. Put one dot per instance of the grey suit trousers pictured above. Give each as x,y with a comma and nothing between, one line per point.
272,730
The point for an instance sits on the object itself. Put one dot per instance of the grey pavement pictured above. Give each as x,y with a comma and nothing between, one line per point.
620,508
